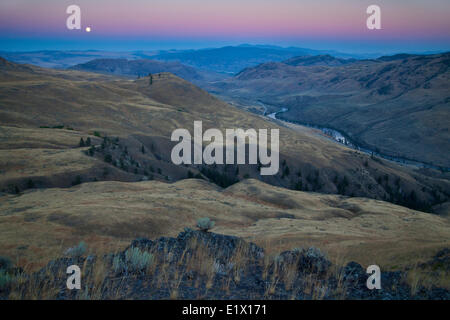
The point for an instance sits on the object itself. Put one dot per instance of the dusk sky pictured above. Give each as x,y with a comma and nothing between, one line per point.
407,25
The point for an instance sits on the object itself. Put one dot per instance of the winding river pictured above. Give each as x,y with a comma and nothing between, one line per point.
338,137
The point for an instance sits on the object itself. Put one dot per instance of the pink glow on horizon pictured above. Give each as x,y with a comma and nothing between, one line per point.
232,18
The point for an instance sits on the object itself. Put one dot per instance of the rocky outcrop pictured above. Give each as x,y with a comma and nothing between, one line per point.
204,265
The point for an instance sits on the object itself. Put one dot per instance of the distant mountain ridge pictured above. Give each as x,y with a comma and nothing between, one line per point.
233,59
298,61
66,59
138,68
229,59
320,60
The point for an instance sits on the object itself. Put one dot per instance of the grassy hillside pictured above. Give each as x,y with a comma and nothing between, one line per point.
398,105
42,223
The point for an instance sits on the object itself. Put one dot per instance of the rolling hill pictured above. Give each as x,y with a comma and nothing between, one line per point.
319,60
41,223
65,59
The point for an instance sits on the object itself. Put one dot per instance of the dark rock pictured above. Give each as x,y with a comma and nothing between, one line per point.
310,260
225,276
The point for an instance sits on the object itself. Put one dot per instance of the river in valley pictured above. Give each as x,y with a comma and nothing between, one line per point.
339,137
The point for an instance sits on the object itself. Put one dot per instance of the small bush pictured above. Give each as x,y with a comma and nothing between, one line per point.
135,260
5,263
78,250
204,224
30,184
91,151
5,279
77,181
108,158
118,264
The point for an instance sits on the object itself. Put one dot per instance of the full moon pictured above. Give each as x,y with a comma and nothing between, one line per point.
88,29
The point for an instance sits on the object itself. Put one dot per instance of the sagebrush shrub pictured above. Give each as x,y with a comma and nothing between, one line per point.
5,279
138,259
78,250
5,263
135,260
204,224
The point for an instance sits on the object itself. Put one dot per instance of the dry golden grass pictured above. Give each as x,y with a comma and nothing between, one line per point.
427,276
196,268
40,224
